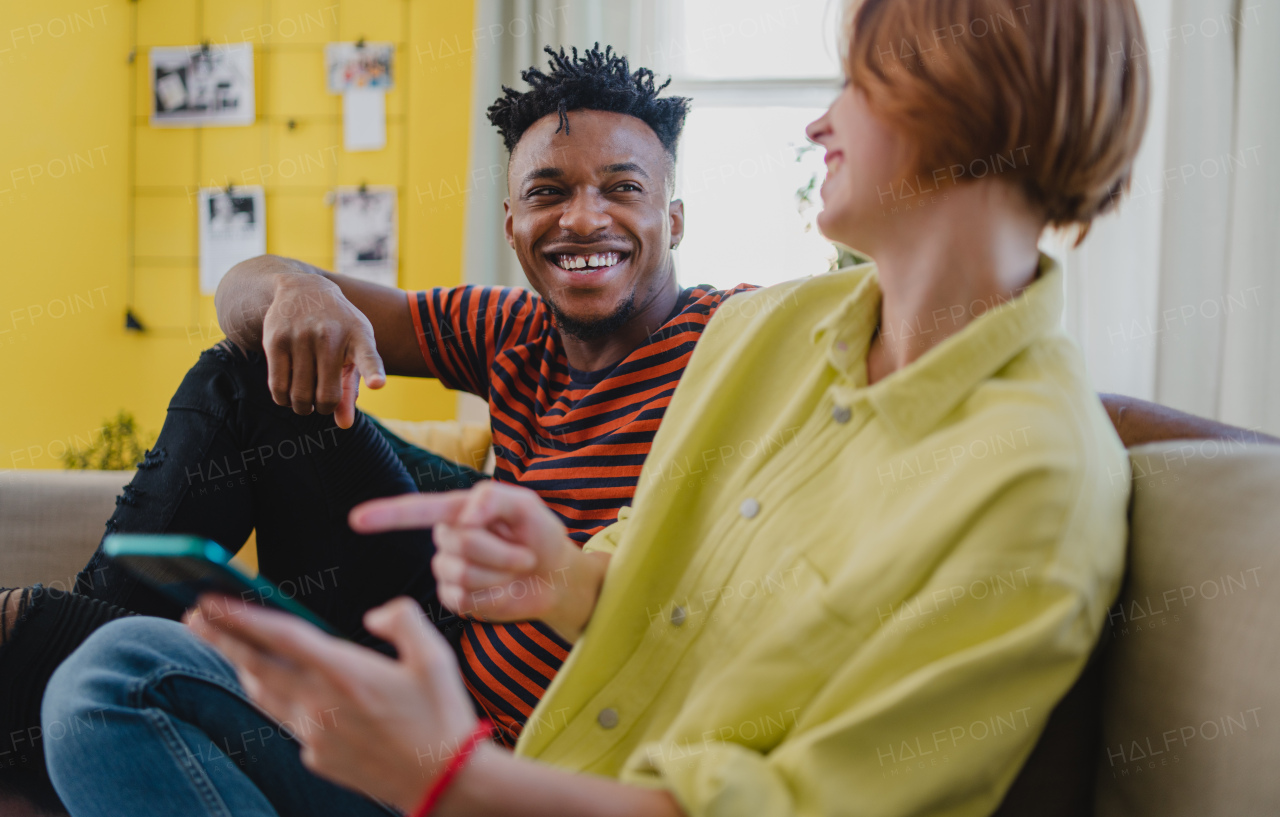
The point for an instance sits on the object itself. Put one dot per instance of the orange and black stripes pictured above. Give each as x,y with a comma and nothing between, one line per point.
577,438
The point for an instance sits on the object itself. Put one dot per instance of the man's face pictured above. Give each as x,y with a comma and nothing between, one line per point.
591,219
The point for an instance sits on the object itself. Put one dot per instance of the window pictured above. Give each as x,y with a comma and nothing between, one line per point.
758,71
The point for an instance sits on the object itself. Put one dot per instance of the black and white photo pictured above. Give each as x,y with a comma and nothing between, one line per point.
202,85
232,229
365,236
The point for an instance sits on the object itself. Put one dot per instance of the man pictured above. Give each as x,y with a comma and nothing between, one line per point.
263,432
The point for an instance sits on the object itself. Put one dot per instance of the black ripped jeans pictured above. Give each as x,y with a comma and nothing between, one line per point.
228,461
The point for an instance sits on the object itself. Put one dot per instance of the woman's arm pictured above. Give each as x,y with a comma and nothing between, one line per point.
496,782
393,725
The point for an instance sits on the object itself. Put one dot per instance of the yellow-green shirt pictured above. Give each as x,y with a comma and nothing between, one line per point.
830,598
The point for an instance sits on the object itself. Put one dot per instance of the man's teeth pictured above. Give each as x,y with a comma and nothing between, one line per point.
599,259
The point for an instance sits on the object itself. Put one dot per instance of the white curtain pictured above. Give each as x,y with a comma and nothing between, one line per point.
1175,297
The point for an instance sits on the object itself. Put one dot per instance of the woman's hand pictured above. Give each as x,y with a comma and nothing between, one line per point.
502,555
385,727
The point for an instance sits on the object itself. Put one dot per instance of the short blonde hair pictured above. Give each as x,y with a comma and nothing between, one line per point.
1053,93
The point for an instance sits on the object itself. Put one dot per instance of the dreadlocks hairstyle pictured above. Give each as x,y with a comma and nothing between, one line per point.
597,81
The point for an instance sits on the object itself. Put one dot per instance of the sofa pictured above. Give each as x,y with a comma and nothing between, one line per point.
51,520
1177,710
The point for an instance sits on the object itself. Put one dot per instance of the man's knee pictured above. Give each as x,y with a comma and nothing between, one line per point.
219,378
118,660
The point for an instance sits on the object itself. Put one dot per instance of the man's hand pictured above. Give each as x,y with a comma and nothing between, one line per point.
317,343
385,727
501,554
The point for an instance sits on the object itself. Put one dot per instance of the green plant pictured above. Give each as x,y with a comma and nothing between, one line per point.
120,447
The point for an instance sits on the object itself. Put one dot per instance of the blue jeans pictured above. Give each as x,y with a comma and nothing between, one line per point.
145,718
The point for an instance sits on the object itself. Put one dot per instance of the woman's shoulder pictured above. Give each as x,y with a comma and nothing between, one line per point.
1033,446
1046,387
1042,402
808,297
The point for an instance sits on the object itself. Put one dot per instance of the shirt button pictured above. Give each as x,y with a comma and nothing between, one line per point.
841,414
608,717
749,508
677,615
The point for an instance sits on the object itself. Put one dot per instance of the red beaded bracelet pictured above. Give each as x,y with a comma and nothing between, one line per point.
484,728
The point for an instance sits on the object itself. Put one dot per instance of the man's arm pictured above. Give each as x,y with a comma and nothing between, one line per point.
320,332
248,290
1138,422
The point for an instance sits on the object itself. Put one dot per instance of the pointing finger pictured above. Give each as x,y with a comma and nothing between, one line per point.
406,512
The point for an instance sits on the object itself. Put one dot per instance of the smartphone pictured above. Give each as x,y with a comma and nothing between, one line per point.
183,567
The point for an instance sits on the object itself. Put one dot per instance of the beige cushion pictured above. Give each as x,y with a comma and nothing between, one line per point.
51,522
1192,712
466,443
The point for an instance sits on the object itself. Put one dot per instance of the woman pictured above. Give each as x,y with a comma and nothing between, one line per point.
900,555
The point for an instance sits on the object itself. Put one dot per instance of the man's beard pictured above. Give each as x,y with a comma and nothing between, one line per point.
596,329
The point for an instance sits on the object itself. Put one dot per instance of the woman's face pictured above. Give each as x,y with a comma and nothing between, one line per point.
865,159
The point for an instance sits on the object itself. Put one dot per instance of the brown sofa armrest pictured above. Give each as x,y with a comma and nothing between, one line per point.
1139,422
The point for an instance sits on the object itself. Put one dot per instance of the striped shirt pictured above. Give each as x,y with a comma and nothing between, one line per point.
576,438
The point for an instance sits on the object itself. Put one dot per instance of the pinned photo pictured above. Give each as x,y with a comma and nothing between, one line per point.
358,66
202,85
365,234
361,72
232,229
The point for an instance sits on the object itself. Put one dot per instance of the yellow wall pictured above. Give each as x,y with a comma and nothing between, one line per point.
66,361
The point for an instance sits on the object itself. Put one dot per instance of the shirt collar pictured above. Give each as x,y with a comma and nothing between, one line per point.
913,400
848,328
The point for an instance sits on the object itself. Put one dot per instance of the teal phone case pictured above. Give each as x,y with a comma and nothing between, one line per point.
183,567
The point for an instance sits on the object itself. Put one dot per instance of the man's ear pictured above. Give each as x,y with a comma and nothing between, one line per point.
676,209
507,226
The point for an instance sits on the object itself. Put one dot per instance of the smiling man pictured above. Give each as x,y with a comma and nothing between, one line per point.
577,374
